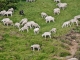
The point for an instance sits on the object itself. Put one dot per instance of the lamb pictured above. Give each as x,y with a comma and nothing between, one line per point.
43,15
73,59
57,1
17,25
10,22
62,5
35,46
11,9
56,11
53,30
74,21
8,13
67,23
49,19
23,21
45,34
36,30
24,28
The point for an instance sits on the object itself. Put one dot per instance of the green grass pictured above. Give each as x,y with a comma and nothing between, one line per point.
16,45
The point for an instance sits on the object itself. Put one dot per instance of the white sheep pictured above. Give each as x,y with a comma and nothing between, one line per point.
30,0
29,24
56,11
72,59
36,30
23,21
77,17
10,22
3,12
57,1
5,19
24,28
11,9
35,46
8,13
35,25
74,21
43,15
62,5
66,24
53,30
45,34
17,25
49,19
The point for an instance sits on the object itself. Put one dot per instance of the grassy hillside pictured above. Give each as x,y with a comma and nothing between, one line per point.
16,45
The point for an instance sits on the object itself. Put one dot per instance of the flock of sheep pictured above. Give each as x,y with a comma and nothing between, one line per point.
24,24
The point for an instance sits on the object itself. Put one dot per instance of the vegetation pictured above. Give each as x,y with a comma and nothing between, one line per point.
15,45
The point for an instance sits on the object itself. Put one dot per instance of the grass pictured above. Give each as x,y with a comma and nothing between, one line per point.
16,45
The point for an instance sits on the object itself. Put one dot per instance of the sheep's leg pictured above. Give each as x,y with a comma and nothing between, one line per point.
50,37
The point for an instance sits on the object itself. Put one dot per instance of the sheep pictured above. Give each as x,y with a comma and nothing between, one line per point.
56,11
74,21
36,30
17,25
23,28
11,9
10,22
23,21
35,46
62,5
57,1
77,17
35,25
73,59
43,15
67,23
5,19
29,24
53,30
49,19
30,0
8,13
45,34
3,12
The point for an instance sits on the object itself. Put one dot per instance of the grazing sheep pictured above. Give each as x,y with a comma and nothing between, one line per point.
67,23
11,9
73,59
23,21
43,15
36,30
74,21
56,11
45,34
3,12
77,17
5,19
35,25
35,46
10,22
53,30
29,24
62,5
57,1
17,25
24,28
49,19
8,13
